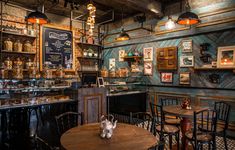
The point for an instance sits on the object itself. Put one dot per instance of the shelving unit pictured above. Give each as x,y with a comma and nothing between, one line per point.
13,52
214,69
17,34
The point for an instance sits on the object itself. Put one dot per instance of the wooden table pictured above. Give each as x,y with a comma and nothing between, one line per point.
125,137
186,121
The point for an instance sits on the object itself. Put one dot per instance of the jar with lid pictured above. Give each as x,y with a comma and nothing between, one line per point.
17,72
8,63
85,53
3,72
104,72
18,46
28,64
47,72
8,45
33,71
27,46
60,72
18,62
90,52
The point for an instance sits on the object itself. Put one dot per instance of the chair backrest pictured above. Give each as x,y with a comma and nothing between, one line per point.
157,116
223,110
169,101
68,120
141,119
205,119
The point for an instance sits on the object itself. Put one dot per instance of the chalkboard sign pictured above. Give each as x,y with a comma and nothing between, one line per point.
56,48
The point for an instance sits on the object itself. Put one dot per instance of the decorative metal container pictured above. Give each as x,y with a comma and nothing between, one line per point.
8,63
27,46
47,72
8,45
18,46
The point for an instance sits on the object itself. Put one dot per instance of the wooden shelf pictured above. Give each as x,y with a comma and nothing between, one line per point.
18,34
94,58
79,43
13,52
132,58
203,68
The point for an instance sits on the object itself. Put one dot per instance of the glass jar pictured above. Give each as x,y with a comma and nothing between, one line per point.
18,62
33,71
60,72
8,63
28,64
90,52
17,72
8,45
47,72
85,53
3,72
18,46
27,46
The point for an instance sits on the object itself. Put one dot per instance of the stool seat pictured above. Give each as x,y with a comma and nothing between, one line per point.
168,129
201,137
173,121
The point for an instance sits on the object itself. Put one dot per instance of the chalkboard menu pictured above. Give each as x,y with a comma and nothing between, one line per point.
57,48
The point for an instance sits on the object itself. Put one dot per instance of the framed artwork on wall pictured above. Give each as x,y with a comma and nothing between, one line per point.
112,64
166,77
187,61
187,45
184,78
148,54
148,68
226,57
167,58
100,81
121,55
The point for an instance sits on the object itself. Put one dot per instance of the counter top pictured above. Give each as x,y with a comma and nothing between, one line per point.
125,93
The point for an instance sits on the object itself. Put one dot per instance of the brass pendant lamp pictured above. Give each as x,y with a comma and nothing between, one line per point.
188,18
123,36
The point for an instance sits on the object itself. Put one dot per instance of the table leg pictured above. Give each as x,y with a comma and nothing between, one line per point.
185,125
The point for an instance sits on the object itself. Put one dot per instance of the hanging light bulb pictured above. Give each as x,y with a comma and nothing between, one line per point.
170,24
92,14
92,26
90,6
88,20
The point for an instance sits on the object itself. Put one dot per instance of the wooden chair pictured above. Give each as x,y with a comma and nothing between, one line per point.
207,120
68,120
173,120
161,128
141,119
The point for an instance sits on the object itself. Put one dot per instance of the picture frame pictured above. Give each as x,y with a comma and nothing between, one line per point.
226,57
148,54
100,81
187,45
121,55
185,78
148,68
187,61
166,77
112,63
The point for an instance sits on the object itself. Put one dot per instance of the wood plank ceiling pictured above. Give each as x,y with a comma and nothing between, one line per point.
121,8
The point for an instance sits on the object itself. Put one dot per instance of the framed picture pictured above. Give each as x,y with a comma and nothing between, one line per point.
121,55
100,81
184,78
166,77
186,61
148,68
187,45
167,58
112,64
148,54
226,57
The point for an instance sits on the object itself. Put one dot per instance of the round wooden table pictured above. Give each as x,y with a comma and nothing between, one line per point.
125,137
186,121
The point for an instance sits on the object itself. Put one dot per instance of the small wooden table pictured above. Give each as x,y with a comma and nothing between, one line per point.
186,122
125,137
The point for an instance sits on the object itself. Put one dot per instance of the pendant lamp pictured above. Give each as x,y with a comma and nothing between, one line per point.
37,17
188,18
123,36
170,24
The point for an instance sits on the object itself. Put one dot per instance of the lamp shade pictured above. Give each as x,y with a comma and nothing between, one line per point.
37,17
188,18
123,36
